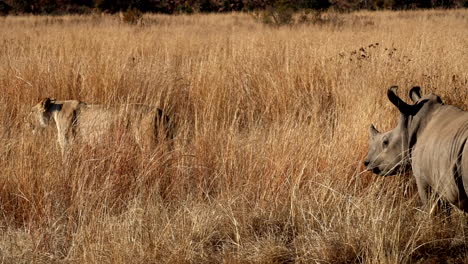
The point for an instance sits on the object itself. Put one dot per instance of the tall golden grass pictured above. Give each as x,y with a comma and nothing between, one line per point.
271,132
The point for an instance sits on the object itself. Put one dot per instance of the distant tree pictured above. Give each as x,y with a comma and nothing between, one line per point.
20,6
4,8
157,6
315,4
279,8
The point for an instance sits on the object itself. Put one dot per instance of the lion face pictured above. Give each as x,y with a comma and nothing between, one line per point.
39,116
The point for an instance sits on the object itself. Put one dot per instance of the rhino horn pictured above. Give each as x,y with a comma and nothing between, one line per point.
403,107
415,93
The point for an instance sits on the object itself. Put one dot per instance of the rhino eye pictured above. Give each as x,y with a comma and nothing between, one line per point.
385,143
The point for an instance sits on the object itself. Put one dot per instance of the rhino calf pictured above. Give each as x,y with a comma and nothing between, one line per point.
431,139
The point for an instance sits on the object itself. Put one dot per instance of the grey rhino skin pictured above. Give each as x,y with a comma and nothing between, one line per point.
430,139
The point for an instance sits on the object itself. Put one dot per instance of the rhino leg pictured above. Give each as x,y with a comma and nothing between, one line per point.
445,207
460,178
423,190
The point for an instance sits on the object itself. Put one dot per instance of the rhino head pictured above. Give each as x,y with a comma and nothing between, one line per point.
389,152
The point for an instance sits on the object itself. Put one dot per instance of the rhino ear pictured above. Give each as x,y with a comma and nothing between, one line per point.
403,107
373,131
45,104
415,93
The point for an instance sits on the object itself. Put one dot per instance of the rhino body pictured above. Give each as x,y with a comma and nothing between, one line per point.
431,139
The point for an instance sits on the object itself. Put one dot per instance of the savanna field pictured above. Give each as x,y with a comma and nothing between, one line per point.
271,132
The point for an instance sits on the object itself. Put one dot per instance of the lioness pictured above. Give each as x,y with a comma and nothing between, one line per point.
91,122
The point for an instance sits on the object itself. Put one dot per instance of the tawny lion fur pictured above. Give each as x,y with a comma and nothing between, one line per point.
92,123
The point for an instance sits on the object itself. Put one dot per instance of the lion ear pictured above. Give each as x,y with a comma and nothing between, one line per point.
45,104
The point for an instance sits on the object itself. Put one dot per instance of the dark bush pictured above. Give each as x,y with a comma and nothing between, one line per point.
276,12
315,4
132,16
280,14
4,8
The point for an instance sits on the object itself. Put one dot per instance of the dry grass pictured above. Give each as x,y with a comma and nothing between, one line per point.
272,131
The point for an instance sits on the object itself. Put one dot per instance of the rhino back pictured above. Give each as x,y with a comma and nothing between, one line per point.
439,154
